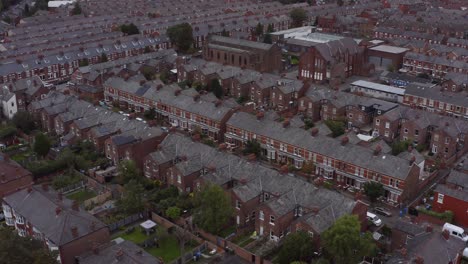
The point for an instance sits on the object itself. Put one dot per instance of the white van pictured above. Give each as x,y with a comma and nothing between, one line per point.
455,231
374,219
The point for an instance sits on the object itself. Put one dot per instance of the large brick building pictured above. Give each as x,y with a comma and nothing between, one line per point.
243,53
332,61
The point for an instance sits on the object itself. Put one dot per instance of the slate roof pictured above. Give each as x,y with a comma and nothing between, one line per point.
409,228
458,178
353,154
458,194
434,93
122,252
39,207
240,42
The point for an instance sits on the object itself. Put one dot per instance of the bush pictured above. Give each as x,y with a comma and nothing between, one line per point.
209,142
446,216
308,124
328,185
400,146
337,127
7,132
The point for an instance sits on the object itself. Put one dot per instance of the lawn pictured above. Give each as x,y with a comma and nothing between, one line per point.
168,246
82,195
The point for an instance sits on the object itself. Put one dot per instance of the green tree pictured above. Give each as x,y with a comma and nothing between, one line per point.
258,30
216,88
104,57
224,33
18,250
267,39
296,247
400,146
131,201
213,209
373,190
150,114
298,17
41,144
128,171
337,127
345,243
252,146
76,9
130,29
270,28
25,121
173,212
181,35
83,62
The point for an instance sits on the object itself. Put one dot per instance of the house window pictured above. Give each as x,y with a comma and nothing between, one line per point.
272,235
377,122
446,150
179,179
238,204
391,182
261,216
416,132
436,137
406,131
272,220
447,140
440,198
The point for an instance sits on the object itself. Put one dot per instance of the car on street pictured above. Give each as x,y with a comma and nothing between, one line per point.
374,219
382,211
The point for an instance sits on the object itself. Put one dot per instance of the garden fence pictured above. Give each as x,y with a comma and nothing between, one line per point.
126,221
189,255
71,188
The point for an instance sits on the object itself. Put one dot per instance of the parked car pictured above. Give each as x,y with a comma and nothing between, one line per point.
374,219
455,231
382,211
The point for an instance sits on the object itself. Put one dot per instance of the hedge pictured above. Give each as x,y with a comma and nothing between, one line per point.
446,216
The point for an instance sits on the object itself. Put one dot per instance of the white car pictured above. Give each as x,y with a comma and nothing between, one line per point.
374,219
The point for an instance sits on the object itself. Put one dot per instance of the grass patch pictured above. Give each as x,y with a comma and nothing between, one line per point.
81,196
168,245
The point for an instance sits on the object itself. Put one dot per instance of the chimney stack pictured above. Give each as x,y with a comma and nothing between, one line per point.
119,254
75,206
58,210
260,115
222,146
314,131
344,140
29,189
412,160
196,97
159,87
252,157
218,103
177,92
196,137
286,123
45,186
284,169
377,150
74,231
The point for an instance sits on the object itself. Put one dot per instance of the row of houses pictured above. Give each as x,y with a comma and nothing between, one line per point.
271,202
112,133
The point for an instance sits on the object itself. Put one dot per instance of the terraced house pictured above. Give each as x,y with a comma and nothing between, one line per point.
183,109
346,163
264,200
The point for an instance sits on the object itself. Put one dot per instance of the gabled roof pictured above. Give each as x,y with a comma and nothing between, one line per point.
53,217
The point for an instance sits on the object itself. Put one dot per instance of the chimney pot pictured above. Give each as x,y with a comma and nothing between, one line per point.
45,186
314,131
75,206
58,210
377,150
344,140
74,231
260,115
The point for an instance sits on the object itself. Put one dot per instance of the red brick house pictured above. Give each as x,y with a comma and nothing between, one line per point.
58,222
13,177
453,196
